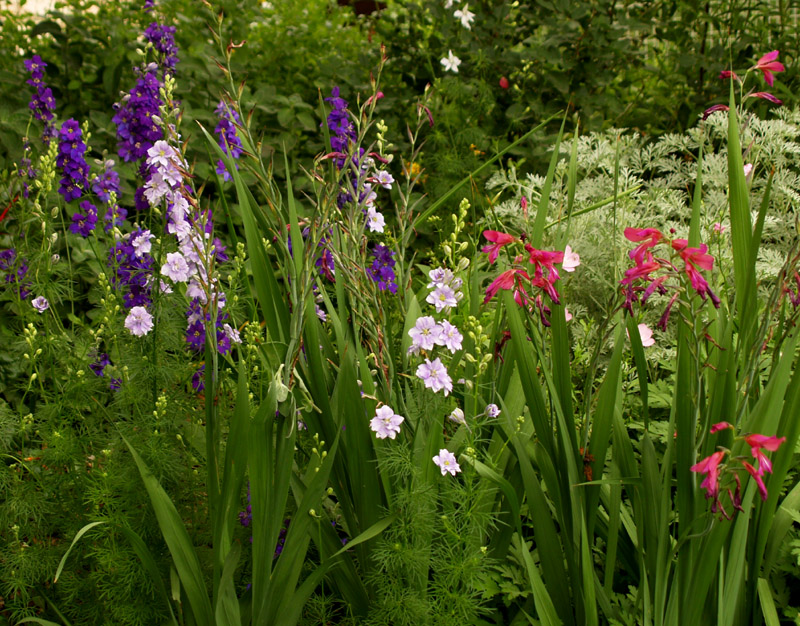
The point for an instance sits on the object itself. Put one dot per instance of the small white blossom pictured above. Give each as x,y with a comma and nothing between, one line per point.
451,62
466,16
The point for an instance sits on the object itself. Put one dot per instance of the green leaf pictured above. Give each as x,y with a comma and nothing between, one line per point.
77,537
179,543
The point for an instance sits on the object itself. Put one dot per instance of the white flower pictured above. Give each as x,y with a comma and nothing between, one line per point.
448,4
457,416
466,16
369,195
375,221
451,62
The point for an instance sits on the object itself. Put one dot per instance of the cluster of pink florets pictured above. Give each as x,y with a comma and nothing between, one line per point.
651,273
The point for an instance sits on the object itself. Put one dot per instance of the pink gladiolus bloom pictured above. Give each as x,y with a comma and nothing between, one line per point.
768,64
765,96
545,258
694,258
648,237
715,428
524,204
756,443
713,109
710,467
718,227
506,280
547,286
641,270
498,240
725,74
762,488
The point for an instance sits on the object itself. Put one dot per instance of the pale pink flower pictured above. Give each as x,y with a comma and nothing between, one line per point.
176,267
434,375
450,337
646,335
571,260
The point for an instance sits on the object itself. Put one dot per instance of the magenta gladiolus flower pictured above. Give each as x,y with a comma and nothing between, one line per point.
648,237
726,74
768,64
498,240
506,280
757,443
715,428
713,109
765,96
710,467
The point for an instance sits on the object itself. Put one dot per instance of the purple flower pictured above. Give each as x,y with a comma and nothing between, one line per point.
340,125
71,161
386,423
434,375
83,223
382,269
228,140
492,410
198,384
176,267
446,461
40,303
115,384
42,101
100,365
163,40
133,266
450,337
425,334
136,130
15,274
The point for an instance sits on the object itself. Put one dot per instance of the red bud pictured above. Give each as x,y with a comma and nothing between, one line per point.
504,82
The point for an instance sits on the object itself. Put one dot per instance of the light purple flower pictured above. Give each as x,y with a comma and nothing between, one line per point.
321,314
176,267
142,244
386,423
231,333
139,321
161,154
385,179
446,461
424,335
492,410
40,303
434,375
443,298
450,338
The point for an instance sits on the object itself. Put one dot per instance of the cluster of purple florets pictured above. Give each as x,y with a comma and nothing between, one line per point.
228,140
197,319
71,149
133,268
103,185
15,271
83,222
42,102
246,518
136,130
163,40
382,268
340,125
